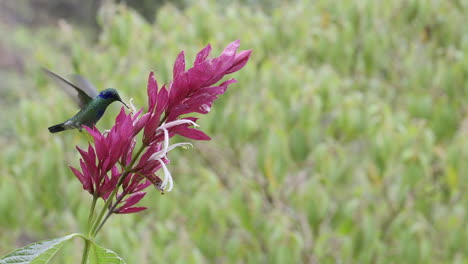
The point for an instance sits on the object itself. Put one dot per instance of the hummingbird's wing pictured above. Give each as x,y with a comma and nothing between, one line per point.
84,85
80,95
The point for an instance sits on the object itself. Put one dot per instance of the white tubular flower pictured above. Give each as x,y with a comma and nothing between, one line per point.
167,177
132,106
167,181
162,153
178,122
166,140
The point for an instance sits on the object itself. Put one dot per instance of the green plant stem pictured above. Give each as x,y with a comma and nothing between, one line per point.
84,259
103,221
109,213
87,241
91,212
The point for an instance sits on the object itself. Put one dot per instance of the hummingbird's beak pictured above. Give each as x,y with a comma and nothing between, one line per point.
124,104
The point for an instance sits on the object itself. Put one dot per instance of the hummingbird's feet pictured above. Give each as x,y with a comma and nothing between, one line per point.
78,126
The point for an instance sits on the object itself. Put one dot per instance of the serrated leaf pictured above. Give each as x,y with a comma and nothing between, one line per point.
100,255
37,253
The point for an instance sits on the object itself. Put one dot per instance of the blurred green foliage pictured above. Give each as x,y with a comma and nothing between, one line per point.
344,141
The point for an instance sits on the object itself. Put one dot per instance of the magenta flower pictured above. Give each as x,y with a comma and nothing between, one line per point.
118,169
99,174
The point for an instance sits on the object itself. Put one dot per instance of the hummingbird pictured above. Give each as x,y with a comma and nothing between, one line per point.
92,104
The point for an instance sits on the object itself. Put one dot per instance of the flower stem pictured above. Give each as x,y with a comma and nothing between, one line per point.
106,206
103,222
84,259
109,212
91,212
97,223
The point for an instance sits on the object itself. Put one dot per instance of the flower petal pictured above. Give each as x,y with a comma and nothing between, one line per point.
179,65
84,181
133,199
191,133
202,55
152,91
239,62
132,210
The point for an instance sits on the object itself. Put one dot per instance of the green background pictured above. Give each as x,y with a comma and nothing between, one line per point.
344,140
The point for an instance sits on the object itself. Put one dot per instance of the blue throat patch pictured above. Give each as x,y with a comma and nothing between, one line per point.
100,113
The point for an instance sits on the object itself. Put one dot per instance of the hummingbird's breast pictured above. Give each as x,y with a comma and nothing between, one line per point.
91,113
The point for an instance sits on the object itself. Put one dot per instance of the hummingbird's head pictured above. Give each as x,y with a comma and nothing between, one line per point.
112,95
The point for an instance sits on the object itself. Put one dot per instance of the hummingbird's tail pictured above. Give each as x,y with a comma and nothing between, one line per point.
57,128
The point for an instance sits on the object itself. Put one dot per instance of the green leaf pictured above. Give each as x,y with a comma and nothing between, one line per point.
100,255
37,253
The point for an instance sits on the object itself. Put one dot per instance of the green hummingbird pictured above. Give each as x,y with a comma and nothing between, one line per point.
92,104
